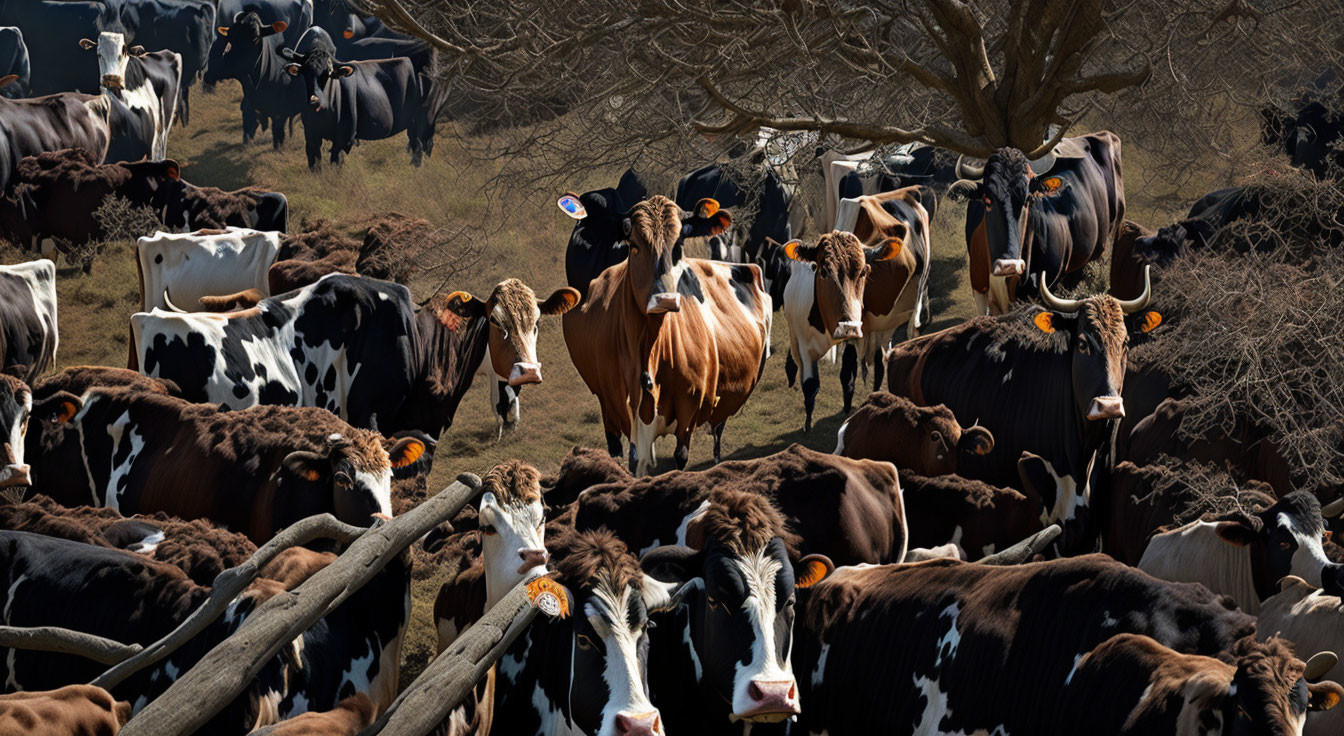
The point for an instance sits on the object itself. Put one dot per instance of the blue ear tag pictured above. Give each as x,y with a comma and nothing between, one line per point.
570,204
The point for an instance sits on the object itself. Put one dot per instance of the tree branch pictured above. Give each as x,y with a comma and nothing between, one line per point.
65,641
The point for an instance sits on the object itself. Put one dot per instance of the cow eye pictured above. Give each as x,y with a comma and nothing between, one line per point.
343,479
1285,545
936,436
585,643
488,530
987,202
1083,347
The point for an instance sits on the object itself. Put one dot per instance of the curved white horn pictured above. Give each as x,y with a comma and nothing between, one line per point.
171,307
1141,301
968,171
1063,306
1333,509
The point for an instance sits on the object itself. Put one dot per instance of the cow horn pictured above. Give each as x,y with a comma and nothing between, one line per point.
1319,664
1141,301
169,302
1063,306
968,171
1333,508
1025,550
1043,164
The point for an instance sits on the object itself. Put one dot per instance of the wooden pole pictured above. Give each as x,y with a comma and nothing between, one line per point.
66,641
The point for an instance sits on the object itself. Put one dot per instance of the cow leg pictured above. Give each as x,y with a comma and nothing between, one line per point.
811,382
277,133
717,430
614,444
790,367
682,455
313,146
504,401
849,368
249,119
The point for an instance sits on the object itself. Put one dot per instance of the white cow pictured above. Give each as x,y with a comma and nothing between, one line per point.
176,270
143,89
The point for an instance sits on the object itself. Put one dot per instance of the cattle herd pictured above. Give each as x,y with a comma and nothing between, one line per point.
986,551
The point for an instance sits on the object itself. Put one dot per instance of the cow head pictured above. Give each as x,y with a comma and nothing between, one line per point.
358,470
113,57
319,69
514,314
656,271
841,265
1172,242
1312,137
1285,539
590,655
159,186
1007,185
1272,690
16,405
512,523
739,586
243,41
926,440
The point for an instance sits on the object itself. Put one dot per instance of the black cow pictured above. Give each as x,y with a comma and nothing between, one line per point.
14,60
28,335
143,90
184,26
245,50
36,125
202,208
352,47
51,28
1311,135
1049,385
598,239
763,193
362,100
1039,219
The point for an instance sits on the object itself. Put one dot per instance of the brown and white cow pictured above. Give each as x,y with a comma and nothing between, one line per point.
82,710
922,439
668,343
978,518
1314,622
348,718
823,302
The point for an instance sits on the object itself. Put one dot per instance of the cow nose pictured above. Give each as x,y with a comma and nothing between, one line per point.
848,331
641,724
112,81
1106,407
665,302
524,373
1010,267
772,700
532,557
15,474
317,104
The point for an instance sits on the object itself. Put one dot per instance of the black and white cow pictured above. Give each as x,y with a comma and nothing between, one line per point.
14,60
32,126
245,49
143,90
355,346
763,193
184,26
350,101
598,239
28,317
50,30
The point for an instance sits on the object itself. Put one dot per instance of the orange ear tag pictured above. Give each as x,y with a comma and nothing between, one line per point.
549,597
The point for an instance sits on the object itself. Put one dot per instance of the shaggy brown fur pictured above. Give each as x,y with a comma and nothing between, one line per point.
314,240
348,718
514,483
214,207
655,223
839,254
295,565
74,709
582,468
296,273
78,167
742,521
585,559
81,378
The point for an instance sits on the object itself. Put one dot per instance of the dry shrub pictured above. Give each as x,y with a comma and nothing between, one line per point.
1290,216
118,219
1194,491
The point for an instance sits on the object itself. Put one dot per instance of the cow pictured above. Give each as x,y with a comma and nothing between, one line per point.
1042,219
269,466
29,335
50,30
184,26
368,48
32,126
1243,555
762,193
978,519
926,440
1265,689
1137,246
896,292
909,165
142,89
403,369
598,240
246,50
1010,373
73,709
201,208
350,717
550,680
1310,135
933,629
14,61
823,304
179,270
296,273
581,469
690,335
352,101
1310,619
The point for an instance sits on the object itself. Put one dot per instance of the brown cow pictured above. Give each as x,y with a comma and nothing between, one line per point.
669,343
924,439
79,379
295,273
348,718
824,307
245,299
74,710
978,518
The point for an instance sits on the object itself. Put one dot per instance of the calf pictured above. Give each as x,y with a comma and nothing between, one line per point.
28,329
1313,621
1244,555
923,439
363,100
202,264
267,466
142,89
73,709
824,304
977,518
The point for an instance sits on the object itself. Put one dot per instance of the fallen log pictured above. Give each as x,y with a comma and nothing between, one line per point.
223,673
227,586
66,641
448,680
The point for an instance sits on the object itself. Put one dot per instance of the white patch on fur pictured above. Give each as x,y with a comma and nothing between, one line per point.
120,430
517,527
759,570
607,612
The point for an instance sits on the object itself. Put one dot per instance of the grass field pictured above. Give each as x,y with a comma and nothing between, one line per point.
524,236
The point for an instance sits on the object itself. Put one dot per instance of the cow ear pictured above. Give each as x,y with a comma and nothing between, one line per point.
60,407
348,33
222,30
1234,533
660,596
561,301
570,205
138,51
884,251
408,453
1323,695
279,26
8,79
171,169
1048,185
964,189
977,440
549,596
812,569
796,251
706,207
462,305
1045,322
343,70
309,466
1151,320
87,44
292,69
709,225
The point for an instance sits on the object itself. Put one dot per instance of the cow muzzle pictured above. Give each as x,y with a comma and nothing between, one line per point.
1010,267
664,302
113,82
532,558
315,103
848,331
771,701
15,475
1106,407
524,373
639,724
